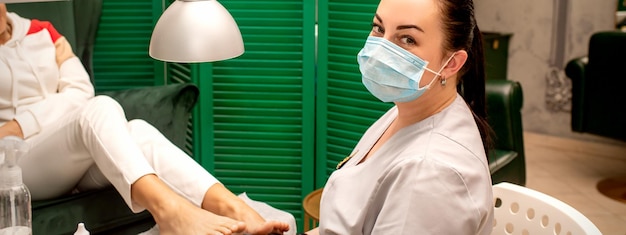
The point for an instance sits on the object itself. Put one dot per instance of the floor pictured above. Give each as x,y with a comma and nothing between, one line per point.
569,170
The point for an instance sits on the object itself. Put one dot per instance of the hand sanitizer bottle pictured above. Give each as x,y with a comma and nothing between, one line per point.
15,204
81,230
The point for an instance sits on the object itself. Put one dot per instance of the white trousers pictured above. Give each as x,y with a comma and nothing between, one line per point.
96,146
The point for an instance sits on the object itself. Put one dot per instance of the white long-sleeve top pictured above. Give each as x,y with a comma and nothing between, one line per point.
40,77
429,178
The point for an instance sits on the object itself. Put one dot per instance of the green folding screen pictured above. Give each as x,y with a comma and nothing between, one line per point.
263,104
121,58
344,107
253,127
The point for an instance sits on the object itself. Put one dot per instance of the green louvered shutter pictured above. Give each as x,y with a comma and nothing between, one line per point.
263,105
182,73
121,59
345,109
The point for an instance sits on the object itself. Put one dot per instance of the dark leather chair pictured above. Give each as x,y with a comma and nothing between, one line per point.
504,103
168,108
598,81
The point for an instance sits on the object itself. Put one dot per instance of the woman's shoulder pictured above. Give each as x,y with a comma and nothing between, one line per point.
24,27
442,155
37,26
456,130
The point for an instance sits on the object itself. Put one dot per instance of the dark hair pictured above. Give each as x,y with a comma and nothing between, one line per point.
459,24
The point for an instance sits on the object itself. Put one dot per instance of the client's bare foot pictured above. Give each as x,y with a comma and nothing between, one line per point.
221,201
186,218
176,215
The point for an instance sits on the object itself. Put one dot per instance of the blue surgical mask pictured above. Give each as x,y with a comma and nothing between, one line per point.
391,73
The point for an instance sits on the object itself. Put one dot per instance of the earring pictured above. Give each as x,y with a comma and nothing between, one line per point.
443,81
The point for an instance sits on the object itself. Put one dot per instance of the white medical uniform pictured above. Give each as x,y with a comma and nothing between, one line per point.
429,178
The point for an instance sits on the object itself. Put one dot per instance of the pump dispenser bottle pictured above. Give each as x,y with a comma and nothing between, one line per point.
15,201
81,230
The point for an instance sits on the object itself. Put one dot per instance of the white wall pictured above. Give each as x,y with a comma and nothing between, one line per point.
531,51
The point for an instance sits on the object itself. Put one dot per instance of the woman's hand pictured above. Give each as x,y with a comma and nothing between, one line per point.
222,201
266,228
11,128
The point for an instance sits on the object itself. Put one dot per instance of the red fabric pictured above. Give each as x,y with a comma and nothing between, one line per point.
37,25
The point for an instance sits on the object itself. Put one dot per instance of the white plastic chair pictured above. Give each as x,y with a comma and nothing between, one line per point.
524,211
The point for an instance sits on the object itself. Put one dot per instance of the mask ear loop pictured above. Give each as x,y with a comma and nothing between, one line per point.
438,74
444,81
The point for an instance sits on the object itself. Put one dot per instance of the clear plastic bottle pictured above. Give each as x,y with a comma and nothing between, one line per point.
81,230
15,202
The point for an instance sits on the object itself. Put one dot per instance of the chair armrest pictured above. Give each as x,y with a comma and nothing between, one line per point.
167,107
504,104
575,70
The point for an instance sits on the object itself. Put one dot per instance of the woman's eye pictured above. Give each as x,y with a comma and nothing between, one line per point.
377,29
407,40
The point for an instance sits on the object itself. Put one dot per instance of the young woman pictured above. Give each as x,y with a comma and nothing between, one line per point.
422,167
78,140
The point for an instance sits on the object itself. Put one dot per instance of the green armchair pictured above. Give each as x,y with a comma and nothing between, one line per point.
504,104
103,211
168,108
597,83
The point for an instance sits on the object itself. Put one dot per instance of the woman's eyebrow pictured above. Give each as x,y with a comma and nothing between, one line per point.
378,18
410,26
400,27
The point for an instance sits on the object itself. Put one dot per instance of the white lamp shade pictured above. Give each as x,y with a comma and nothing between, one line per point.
192,31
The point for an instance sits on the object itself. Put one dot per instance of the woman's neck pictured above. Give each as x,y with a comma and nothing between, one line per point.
432,101
412,112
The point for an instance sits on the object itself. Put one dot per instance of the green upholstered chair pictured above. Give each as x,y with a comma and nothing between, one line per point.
103,211
504,104
598,81
166,107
